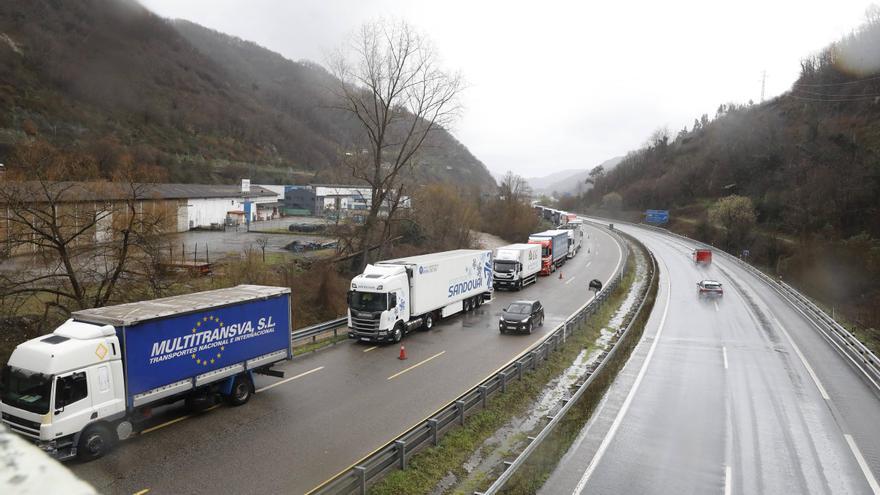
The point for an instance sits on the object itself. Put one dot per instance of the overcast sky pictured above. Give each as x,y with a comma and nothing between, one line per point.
559,85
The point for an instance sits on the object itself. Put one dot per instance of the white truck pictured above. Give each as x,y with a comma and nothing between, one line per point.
575,230
394,297
94,380
516,265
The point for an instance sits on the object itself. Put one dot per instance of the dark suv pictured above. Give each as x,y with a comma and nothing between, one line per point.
521,316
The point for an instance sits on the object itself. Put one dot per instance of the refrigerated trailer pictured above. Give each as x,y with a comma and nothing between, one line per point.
575,230
516,265
93,381
554,249
394,297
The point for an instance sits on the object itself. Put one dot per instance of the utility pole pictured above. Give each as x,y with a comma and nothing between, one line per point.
763,81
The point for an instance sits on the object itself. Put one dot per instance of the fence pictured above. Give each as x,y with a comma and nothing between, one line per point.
395,454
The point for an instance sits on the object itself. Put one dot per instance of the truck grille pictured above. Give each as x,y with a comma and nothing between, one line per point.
365,323
30,428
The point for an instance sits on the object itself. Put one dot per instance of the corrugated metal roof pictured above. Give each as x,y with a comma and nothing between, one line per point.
136,312
108,191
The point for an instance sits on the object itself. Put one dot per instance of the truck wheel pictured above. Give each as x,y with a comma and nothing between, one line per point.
429,321
95,441
519,285
397,333
242,389
479,301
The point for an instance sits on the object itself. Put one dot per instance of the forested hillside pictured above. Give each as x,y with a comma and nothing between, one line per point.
804,170
110,78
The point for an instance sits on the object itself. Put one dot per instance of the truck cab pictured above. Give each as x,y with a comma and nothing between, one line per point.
58,388
547,265
379,304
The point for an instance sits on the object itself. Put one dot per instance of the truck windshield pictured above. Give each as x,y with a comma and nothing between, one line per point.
368,301
505,266
25,389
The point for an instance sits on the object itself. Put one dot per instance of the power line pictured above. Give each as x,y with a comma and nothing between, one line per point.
842,95
842,100
838,84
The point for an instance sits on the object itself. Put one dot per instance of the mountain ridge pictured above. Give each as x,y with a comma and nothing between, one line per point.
203,105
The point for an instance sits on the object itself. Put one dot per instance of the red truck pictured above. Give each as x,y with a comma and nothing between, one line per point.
702,256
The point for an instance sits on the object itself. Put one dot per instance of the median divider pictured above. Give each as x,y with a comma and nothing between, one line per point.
618,353
428,432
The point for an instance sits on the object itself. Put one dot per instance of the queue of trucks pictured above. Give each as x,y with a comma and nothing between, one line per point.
96,378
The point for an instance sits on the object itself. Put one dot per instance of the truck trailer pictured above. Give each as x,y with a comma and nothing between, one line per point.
94,380
516,265
575,230
394,297
554,249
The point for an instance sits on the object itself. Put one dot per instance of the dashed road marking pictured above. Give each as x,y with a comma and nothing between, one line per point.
716,306
728,479
570,280
416,365
267,387
368,349
724,353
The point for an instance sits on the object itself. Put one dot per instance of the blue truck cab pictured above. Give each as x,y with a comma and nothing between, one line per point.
92,382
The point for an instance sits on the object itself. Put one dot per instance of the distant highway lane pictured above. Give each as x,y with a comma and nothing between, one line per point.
338,405
739,394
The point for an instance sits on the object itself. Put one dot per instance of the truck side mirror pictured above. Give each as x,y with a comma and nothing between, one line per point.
348,298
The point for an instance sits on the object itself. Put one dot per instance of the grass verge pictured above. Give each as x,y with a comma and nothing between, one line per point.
318,344
429,466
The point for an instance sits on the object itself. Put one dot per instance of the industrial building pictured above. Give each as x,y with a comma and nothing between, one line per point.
181,207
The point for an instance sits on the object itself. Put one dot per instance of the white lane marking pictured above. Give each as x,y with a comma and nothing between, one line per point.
368,349
267,387
629,398
716,306
570,280
724,352
728,481
803,359
416,365
862,464
588,264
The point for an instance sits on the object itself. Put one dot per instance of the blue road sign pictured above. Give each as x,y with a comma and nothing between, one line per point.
657,216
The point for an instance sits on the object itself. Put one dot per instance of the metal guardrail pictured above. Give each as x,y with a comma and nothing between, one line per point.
318,329
534,442
395,454
847,343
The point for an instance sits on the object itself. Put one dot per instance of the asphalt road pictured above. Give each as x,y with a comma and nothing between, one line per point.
338,405
740,394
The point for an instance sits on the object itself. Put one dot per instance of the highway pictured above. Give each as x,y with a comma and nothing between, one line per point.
738,394
338,405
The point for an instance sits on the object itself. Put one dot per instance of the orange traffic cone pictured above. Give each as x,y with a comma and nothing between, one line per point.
560,274
402,353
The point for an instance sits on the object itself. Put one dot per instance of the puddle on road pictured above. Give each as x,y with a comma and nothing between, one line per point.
512,437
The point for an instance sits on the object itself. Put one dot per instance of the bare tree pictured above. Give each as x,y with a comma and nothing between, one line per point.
76,240
262,242
390,81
